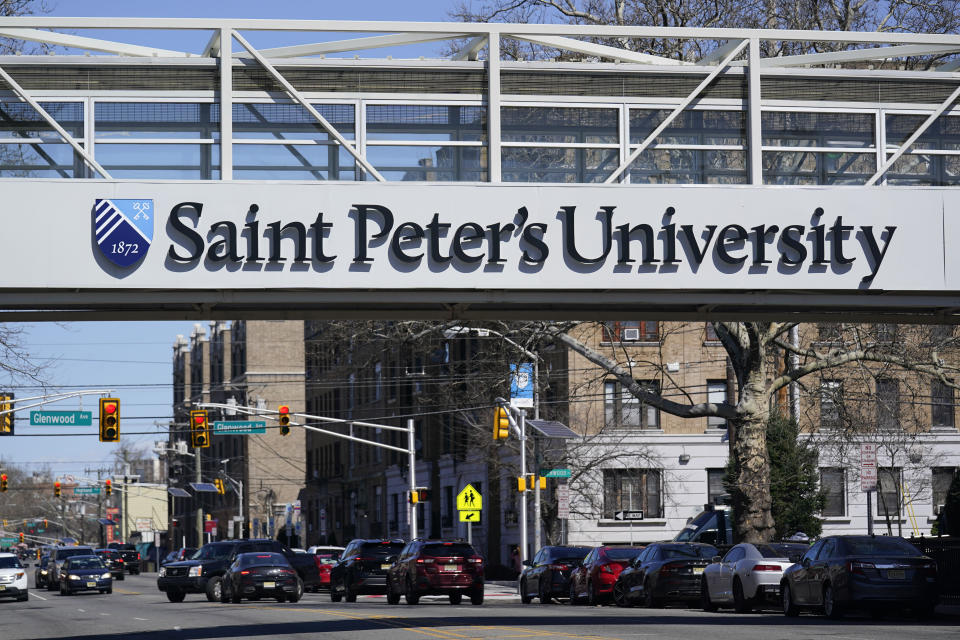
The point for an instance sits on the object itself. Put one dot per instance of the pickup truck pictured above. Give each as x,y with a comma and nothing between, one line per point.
202,574
131,557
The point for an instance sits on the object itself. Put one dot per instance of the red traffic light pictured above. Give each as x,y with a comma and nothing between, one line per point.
284,409
199,418
110,407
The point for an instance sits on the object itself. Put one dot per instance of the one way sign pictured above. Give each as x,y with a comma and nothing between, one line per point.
628,515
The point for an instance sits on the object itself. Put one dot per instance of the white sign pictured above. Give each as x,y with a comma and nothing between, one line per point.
144,524
868,467
472,237
563,501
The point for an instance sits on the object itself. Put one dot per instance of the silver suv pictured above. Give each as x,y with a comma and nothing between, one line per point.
57,556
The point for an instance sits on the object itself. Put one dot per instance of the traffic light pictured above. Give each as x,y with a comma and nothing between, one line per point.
107,487
109,419
44,524
3,482
284,419
543,483
56,489
501,424
521,484
6,414
199,429
414,496
218,483
423,495
21,537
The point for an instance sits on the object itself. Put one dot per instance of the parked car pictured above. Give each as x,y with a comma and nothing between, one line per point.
713,525
593,580
429,567
113,560
547,576
324,557
58,556
40,573
13,577
664,571
84,573
876,573
260,575
748,576
362,568
202,573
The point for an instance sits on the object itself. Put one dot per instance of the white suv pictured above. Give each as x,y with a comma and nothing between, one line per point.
13,577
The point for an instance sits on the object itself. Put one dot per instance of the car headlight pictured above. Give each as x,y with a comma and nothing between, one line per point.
73,577
43,572
195,571
105,576
163,571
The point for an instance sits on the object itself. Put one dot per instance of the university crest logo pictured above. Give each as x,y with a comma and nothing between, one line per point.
123,229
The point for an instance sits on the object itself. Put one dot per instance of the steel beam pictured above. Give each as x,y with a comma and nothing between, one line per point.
90,44
593,49
471,50
353,44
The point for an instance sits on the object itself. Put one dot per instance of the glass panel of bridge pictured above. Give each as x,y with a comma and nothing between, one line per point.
31,148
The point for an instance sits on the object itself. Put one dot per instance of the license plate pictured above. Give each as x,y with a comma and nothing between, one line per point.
697,571
269,585
450,567
896,574
2,588
91,584
384,567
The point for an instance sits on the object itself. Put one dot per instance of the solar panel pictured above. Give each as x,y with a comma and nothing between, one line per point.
177,492
207,487
552,429
106,522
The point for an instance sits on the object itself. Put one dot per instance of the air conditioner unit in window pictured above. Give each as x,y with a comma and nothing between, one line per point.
630,335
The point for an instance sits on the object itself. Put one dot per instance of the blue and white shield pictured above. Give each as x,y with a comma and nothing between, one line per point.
123,229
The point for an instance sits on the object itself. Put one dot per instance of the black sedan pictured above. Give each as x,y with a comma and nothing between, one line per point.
41,572
260,575
876,573
84,573
113,560
547,576
664,571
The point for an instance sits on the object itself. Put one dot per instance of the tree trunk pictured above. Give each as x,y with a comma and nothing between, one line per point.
753,521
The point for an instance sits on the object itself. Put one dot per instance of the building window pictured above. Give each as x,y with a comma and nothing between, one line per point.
833,485
888,403
716,394
830,332
631,490
623,409
830,402
888,492
940,486
710,333
631,331
818,148
716,492
942,403
885,332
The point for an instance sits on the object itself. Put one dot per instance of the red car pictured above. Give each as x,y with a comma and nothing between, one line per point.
325,558
593,580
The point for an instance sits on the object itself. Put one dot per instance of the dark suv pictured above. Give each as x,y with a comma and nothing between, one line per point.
203,572
427,567
130,555
362,568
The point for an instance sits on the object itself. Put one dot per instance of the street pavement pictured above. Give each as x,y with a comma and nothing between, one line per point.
137,610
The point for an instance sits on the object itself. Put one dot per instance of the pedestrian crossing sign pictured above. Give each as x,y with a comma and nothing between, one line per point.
469,499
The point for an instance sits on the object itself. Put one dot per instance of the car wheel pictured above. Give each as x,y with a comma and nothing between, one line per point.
24,597
790,609
544,591
213,589
592,598
705,601
121,577
456,598
476,598
620,595
225,591
740,603
831,608
334,594
109,591
176,596
411,596
299,590
524,596
348,594
393,596
51,586
295,596
281,599
648,599
574,600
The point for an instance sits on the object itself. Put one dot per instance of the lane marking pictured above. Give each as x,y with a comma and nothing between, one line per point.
36,595
128,593
82,610
143,619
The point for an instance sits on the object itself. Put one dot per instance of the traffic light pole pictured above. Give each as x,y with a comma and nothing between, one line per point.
523,494
411,444
199,478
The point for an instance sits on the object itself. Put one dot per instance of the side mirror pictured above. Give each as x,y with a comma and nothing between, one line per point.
715,559
805,562
527,563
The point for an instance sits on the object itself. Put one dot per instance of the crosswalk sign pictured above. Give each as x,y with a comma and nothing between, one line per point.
469,499
470,516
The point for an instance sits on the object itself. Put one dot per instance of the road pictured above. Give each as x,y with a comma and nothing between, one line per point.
137,610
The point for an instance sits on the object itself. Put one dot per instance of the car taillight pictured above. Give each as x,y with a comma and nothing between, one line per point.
559,567
672,567
860,568
767,567
138,555
244,573
424,560
476,560
928,570
287,571
362,559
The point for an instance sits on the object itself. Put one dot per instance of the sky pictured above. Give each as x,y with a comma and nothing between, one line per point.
134,359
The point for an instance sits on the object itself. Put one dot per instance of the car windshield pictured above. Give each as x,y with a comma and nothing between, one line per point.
263,559
447,550
212,552
66,553
327,555
381,549
879,547
792,552
622,553
692,528
10,563
86,563
688,551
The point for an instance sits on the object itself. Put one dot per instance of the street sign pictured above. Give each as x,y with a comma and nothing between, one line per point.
628,515
8,542
555,473
470,516
469,499
868,467
86,491
521,385
144,524
61,418
563,501
239,427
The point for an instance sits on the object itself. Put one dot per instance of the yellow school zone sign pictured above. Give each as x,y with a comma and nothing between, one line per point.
469,499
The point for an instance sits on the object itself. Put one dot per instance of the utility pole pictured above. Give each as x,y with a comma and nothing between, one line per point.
198,478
